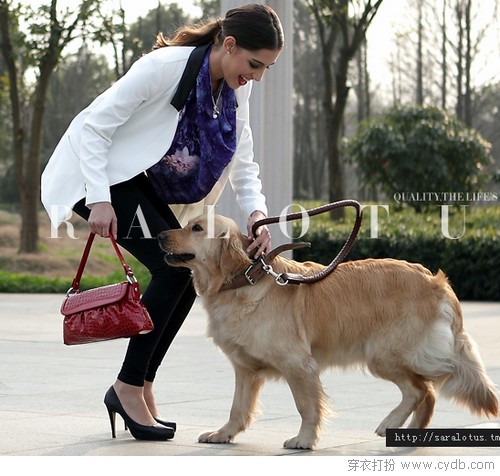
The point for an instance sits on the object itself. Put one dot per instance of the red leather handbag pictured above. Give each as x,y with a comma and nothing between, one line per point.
104,313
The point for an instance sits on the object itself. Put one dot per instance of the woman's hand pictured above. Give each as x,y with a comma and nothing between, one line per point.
102,219
262,242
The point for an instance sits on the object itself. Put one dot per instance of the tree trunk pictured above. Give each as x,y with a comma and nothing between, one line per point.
29,222
420,73
468,62
363,86
335,114
30,192
366,76
460,69
444,66
28,195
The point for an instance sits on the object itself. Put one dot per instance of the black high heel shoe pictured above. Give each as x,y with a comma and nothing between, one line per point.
168,424
138,431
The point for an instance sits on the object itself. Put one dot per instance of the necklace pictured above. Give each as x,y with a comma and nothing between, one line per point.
215,102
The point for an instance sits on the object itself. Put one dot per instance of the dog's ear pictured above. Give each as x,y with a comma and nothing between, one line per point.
245,242
233,257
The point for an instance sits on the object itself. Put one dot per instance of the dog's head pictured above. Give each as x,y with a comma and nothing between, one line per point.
212,247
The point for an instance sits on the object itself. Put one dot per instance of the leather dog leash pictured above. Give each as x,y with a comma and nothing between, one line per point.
263,266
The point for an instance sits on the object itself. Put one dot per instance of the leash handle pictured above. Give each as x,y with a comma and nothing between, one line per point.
297,278
311,212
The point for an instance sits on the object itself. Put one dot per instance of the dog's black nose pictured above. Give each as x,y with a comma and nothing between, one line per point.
162,237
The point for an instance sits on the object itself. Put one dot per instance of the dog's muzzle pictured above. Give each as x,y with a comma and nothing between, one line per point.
171,257
178,258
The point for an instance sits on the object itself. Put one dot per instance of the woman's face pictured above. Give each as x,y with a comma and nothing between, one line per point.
240,65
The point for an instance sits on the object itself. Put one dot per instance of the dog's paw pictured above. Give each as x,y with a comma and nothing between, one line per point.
215,437
381,430
299,443
387,422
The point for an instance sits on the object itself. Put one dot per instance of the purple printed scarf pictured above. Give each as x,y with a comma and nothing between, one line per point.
202,146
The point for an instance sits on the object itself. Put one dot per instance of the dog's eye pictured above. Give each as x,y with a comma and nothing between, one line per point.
197,228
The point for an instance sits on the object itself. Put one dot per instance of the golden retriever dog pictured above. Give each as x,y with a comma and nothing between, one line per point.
394,318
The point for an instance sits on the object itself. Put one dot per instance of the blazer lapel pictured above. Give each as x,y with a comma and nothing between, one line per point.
188,79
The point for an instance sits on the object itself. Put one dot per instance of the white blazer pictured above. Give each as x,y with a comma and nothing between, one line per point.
129,128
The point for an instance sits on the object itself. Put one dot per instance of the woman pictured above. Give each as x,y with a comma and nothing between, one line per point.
153,151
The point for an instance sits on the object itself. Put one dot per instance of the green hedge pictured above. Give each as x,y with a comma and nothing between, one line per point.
23,283
471,262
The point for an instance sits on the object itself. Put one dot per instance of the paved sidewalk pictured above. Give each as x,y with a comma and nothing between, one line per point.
51,395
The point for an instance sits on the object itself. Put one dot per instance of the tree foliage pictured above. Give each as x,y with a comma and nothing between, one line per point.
342,27
130,42
78,80
323,82
420,149
49,31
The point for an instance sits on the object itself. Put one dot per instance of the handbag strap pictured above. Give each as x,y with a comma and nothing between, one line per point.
75,286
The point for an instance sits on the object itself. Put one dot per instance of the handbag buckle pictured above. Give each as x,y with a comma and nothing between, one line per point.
131,279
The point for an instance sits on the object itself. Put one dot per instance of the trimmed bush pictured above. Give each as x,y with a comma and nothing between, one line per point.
420,149
24,283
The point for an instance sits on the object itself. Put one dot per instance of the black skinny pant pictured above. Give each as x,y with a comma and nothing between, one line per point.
170,294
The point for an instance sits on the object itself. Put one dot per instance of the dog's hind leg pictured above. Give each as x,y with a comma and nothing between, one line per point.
417,396
423,414
310,400
247,387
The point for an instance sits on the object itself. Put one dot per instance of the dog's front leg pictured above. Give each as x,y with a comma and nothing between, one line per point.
247,386
310,400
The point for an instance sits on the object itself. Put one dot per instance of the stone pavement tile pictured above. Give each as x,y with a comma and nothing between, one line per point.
51,395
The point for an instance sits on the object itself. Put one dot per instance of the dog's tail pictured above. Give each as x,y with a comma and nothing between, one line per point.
468,384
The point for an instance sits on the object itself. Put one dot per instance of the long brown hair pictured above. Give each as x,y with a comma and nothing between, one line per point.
254,26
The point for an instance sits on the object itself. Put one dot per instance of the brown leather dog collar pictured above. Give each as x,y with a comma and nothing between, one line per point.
261,267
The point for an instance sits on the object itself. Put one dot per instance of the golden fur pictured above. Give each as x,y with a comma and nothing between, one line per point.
394,318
